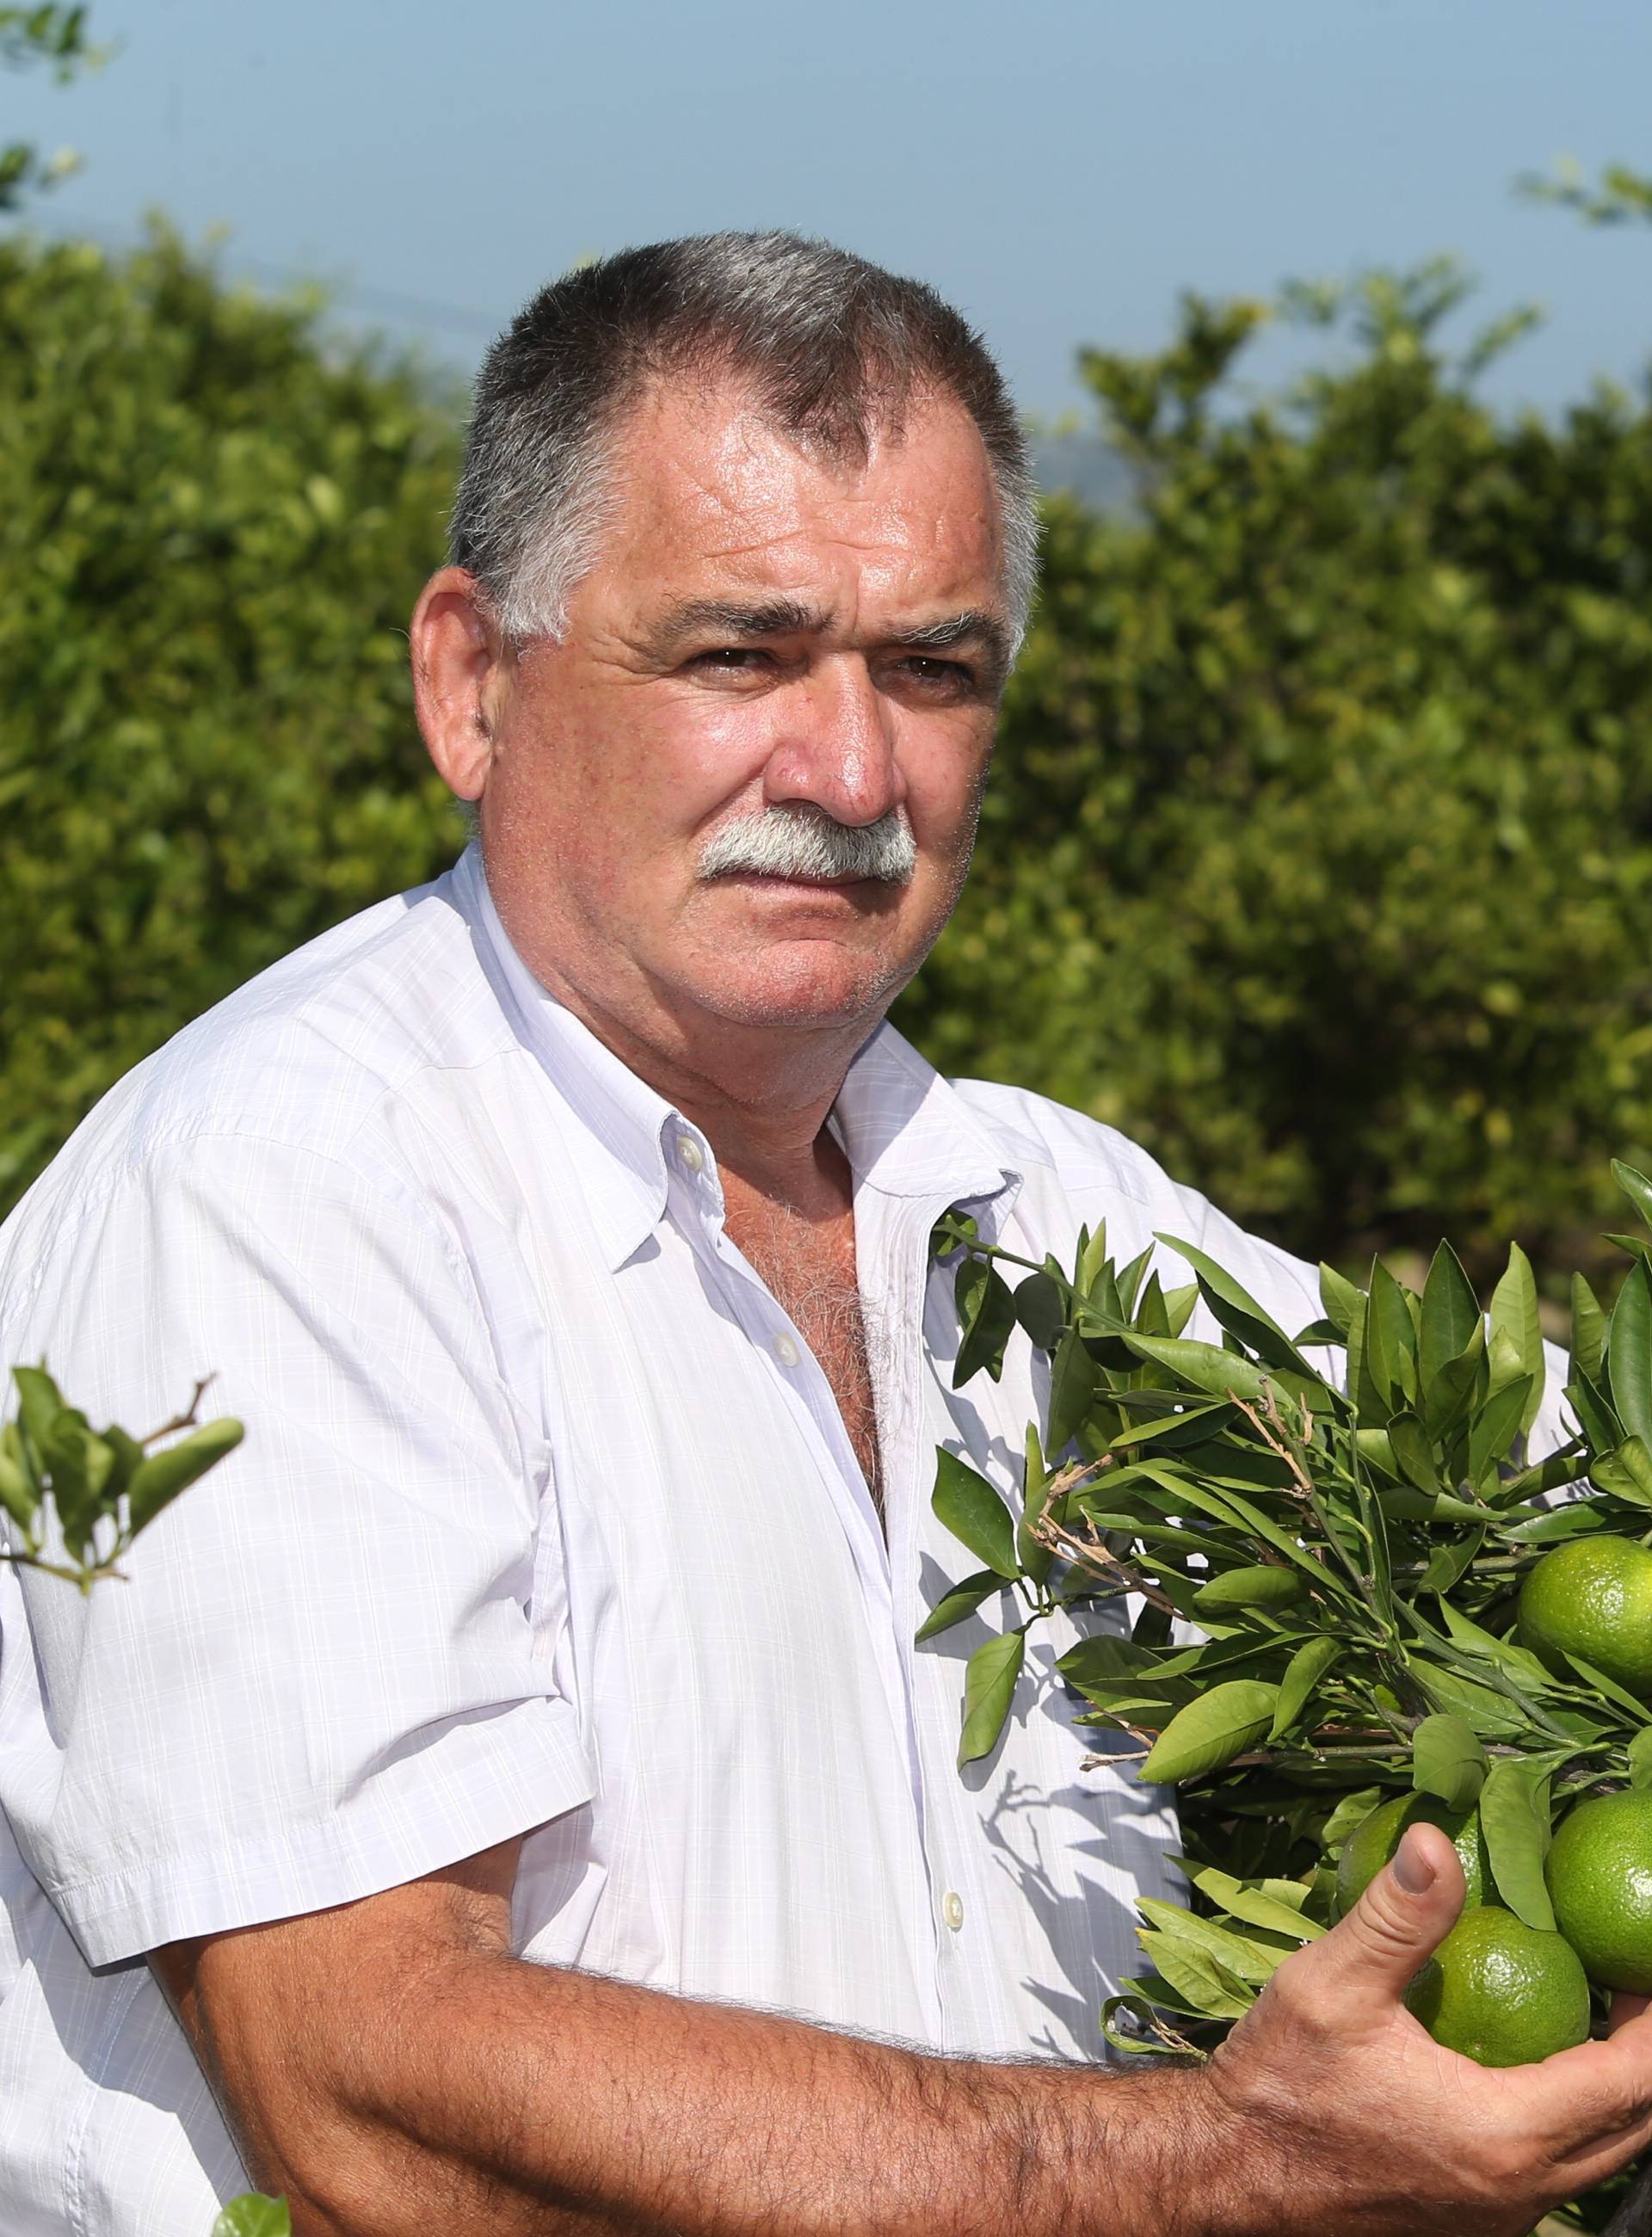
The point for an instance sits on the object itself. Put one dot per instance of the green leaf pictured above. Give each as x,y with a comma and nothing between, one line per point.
1572,1520
1254,1908
1457,1696
1596,1419
156,1482
989,1687
1449,1564
1211,1731
1341,1298
1204,1366
1451,1314
1588,1330
1071,1387
1036,1560
1640,1752
1507,1653
1264,1585
1178,1306
973,1513
1628,1355
987,1308
1040,1307
1410,1445
963,1599
1495,1427
1195,1425
1447,1759
1609,1688
1390,1340
1626,1472
1106,1660
1514,1816
19,1486
1409,1506
1205,1985
1236,1310
1301,1681
253,2215
1636,1186
1452,1393
1250,1960
954,1231
1350,1813
40,1402
1129,1281
1092,1258
1514,1313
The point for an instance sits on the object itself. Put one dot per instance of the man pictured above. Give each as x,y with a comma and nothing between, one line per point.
506,1797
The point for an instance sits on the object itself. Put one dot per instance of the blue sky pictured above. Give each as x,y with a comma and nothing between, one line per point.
1059,167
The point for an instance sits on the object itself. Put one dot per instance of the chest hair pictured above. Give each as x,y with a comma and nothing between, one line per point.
810,1268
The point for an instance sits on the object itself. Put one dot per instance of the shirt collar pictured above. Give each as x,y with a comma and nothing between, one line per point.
905,1131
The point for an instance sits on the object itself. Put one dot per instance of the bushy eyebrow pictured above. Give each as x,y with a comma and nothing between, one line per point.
972,626
730,617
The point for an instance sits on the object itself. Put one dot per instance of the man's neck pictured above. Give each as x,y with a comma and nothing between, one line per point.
761,1096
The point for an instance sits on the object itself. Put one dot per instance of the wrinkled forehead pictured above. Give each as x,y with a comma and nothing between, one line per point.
702,470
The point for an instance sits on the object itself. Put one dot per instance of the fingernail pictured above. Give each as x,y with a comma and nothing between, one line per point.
1411,1866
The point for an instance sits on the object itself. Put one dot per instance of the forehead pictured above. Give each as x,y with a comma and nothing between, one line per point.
710,490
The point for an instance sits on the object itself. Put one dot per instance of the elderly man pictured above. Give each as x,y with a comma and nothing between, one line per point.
508,1797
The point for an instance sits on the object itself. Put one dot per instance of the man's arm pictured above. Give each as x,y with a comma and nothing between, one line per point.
393,2068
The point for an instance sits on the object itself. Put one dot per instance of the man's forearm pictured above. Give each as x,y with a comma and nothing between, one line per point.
520,2100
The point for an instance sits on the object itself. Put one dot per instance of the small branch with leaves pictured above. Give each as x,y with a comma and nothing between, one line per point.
1324,1577
75,1497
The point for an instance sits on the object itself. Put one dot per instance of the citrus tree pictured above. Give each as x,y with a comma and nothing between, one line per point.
53,35
1336,1592
213,525
1317,850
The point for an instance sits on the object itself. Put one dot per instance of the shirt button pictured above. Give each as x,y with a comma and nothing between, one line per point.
951,1910
691,1153
785,1350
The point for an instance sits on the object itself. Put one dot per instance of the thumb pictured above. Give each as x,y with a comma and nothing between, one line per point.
1367,1962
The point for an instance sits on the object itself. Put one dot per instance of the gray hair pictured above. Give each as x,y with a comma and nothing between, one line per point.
835,349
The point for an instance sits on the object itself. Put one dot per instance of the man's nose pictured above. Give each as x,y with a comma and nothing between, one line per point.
836,747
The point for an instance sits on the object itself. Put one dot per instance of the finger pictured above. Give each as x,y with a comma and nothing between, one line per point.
1578,2100
1607,2156
1625,2007
1365,1965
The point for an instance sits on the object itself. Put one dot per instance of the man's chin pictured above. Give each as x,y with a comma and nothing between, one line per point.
782,991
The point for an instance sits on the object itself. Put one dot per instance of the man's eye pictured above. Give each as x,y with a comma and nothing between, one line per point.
925,669
731,657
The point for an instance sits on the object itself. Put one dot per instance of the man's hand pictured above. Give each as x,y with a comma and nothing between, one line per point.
394,2067
1345,2115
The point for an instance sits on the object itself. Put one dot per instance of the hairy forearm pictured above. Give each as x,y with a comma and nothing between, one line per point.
524,2101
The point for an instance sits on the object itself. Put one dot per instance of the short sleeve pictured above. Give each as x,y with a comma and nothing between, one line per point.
333,1664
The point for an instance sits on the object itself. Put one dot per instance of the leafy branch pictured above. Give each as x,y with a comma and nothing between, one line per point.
76,1497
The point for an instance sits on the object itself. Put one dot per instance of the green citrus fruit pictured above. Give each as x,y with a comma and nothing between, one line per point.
1374,1840
1600,1881
1592,1597
1500,1992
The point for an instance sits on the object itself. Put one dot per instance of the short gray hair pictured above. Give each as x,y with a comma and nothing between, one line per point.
835,349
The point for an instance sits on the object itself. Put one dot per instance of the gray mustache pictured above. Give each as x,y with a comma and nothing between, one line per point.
803,842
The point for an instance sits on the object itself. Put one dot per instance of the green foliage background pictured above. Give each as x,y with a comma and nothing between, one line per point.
1318,851
212,529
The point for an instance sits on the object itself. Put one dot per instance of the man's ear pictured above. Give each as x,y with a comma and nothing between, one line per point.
456,668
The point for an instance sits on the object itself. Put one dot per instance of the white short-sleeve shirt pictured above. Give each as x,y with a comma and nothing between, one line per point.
546,1522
